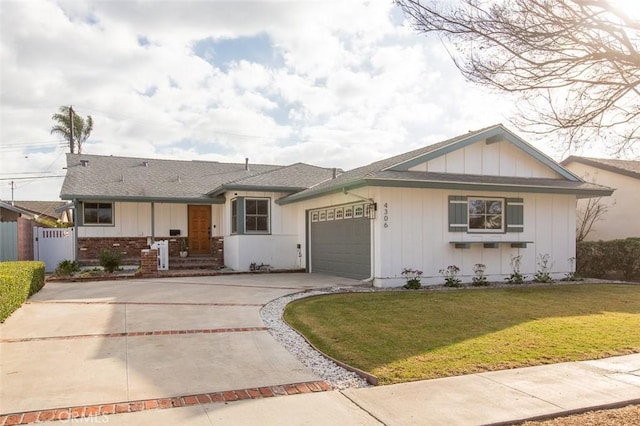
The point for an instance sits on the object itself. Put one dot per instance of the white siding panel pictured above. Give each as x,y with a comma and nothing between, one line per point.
473,156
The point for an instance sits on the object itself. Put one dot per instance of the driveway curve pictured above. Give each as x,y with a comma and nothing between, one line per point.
96,344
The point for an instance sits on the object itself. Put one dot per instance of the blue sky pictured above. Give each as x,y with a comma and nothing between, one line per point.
331,83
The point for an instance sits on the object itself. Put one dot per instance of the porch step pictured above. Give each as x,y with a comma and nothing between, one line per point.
194,262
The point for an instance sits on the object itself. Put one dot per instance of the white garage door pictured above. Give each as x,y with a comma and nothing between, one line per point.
340,241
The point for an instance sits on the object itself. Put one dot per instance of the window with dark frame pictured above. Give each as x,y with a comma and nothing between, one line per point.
98,214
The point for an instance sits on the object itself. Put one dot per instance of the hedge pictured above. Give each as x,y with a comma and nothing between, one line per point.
18,281
597,258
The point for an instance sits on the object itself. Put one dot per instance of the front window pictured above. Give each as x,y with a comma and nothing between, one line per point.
486,214
256,215
98,213
234,216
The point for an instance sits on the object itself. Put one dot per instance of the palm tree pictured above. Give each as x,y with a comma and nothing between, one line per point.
81,127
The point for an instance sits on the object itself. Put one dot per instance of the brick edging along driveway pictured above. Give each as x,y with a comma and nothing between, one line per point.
161,403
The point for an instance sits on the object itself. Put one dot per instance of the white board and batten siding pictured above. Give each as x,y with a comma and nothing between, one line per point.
417,236
134,220
278,248
495,159
411,230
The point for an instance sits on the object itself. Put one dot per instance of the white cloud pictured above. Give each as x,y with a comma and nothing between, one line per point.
350,84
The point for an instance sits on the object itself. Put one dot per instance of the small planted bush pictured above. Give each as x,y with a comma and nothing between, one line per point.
413,278
110,260
516,276
450,275
66,268
543,274
18,281
479,279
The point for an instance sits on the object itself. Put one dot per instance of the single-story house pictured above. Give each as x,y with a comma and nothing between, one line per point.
53,211
619,220
482,197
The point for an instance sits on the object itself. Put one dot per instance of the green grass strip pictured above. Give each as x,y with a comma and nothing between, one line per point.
405,336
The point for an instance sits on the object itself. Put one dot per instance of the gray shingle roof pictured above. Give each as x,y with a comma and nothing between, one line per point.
625,167
47,208
112,177
393,169
295,177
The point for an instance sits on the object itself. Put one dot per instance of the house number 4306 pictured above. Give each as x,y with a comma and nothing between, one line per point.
385,215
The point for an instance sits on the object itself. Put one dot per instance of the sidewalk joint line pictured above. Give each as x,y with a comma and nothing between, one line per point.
363,409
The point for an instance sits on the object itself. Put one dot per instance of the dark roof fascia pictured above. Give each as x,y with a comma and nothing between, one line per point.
294,198
261,188
79,198
597,164
492,135
586,192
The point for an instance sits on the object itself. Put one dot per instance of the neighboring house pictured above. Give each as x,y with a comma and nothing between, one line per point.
620,220
48,210
482,197
16,233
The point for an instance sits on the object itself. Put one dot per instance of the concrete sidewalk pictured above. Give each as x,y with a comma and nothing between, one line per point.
502,397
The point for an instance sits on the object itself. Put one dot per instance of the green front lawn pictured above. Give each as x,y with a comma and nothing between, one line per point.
404,336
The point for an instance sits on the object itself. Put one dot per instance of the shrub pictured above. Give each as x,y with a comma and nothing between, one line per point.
597,258
413,278
67,268
450,275
110,260
18,281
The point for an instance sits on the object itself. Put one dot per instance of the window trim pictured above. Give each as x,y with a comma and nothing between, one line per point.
239,221
256,215
503,205
98,203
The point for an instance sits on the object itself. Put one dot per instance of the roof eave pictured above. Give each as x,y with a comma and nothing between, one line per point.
140,199
403,183
262,188
598,165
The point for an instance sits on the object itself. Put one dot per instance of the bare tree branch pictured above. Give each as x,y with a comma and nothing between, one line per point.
575,63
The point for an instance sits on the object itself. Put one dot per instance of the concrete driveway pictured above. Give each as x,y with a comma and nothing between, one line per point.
96,343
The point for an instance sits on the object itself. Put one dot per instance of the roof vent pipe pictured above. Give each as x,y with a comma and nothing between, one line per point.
145,163
84,163
334,173
246,164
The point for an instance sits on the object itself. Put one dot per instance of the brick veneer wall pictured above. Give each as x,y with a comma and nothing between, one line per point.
25,238
130,247
149,262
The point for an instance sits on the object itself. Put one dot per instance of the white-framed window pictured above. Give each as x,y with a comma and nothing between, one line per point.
97,213
486,214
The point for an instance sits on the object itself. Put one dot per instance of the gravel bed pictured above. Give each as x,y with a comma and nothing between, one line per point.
336,376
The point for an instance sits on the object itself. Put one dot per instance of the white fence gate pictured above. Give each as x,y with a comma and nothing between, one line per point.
51,245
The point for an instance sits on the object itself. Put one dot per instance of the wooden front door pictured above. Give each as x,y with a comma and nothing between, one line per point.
199,230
